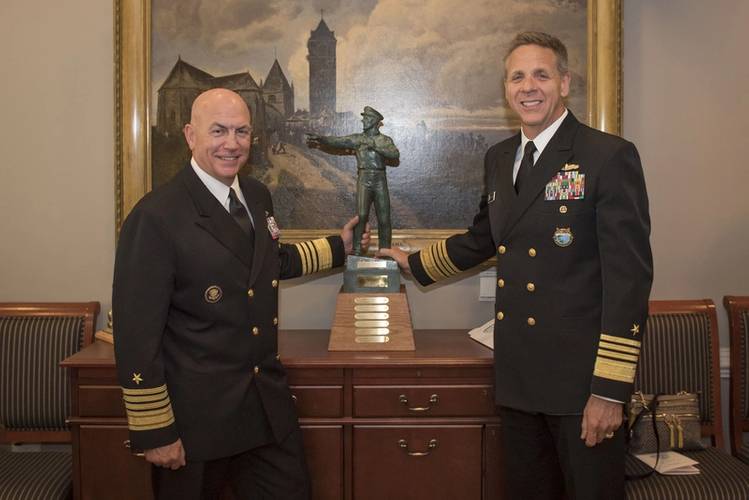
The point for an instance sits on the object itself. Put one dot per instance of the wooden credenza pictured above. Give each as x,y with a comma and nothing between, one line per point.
401,425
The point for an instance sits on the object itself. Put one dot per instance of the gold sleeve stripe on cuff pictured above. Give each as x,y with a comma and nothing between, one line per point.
617,355
439,259
304,256
620,371
426,263
143,392
620,348
445,258
620,340
324,253
150,417
313,260
146,399
147,406
150,427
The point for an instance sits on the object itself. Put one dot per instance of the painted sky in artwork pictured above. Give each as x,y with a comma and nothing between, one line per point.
436,60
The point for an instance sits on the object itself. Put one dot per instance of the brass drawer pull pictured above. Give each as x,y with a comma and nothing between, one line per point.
403,444
433,400
294,398
126,443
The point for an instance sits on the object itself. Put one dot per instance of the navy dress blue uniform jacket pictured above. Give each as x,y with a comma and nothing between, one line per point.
195,314
574,269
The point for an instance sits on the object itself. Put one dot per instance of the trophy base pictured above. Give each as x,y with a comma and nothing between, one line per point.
372,322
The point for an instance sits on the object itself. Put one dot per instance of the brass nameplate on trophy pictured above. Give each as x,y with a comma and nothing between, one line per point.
371,316
372,264
371,340
379,321
371,324
375,308
373,281
372,331
371,300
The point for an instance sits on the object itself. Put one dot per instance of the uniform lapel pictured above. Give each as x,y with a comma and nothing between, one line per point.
556,153
214,218
503,186
259,218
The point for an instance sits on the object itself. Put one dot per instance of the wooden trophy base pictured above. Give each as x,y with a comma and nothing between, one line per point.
372,322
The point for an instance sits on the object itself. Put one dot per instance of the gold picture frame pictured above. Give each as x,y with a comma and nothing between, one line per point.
133,104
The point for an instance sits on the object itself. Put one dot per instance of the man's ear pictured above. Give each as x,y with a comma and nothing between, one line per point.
189,132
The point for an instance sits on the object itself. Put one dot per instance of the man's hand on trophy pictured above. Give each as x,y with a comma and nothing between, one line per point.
397,255
347,235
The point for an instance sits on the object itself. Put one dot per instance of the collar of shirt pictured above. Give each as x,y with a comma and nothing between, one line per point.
541,141
220,190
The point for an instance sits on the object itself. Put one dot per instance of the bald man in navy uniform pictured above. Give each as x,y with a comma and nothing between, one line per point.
565,213
195,308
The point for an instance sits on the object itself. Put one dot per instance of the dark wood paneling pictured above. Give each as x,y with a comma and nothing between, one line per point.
323,448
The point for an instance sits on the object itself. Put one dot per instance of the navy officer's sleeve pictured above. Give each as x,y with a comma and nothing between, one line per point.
143,283
623,228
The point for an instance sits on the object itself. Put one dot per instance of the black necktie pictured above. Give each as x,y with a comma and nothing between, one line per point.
240,214
526,164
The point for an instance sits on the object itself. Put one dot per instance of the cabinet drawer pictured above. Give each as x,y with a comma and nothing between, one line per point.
423,400
100,401
318,400
417,462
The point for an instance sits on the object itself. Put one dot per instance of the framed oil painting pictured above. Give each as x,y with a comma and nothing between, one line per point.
433,68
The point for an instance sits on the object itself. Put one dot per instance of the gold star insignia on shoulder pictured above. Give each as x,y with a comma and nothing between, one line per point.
137,378
635,329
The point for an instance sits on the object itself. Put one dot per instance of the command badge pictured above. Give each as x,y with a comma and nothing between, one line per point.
213,294
275,233
563,237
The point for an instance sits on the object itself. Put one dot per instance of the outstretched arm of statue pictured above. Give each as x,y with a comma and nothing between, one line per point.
345,142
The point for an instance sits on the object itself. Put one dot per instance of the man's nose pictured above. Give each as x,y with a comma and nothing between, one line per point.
231,141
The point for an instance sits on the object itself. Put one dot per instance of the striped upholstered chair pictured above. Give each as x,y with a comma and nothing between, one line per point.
738,322
680,352
35,394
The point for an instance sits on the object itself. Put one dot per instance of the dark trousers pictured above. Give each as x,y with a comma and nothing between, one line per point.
270,472
545,459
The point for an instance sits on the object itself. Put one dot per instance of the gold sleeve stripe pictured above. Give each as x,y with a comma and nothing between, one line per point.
146,399
142,392
150,427
324,253
147,406
428,265
620,348
313,261
437,262
445,258
620,371
617,355
620,340
150,418
304,255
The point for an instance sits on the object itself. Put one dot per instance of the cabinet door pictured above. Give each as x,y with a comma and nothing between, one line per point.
492,463
417,462
108,469
323,446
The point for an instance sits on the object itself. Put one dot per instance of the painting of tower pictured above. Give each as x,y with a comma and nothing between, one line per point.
277,91
321,48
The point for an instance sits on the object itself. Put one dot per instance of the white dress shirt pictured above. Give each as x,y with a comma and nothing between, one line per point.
219,189
540,142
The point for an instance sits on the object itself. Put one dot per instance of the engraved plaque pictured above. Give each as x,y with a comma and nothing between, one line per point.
371,324
372,331
371,316
371,339
371,300
372,281
371,264
374,308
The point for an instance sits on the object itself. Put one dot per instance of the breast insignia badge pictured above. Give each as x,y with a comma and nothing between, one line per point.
273,229
213,294
563,237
